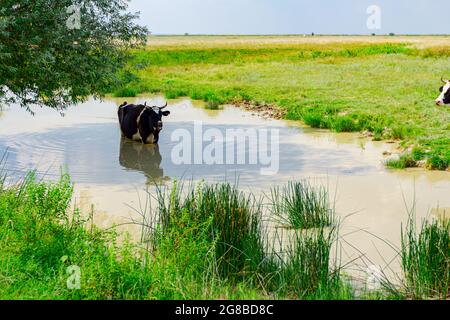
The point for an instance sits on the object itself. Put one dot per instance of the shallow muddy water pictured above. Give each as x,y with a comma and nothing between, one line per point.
111,174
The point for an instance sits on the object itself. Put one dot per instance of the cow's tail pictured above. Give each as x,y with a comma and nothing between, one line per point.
123,104
121,112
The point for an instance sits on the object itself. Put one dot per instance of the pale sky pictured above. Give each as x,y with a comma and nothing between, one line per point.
292,16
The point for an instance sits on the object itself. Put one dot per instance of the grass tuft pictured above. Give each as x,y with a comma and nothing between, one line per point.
305,269
437,161
234,222
426,259
402,162
302,206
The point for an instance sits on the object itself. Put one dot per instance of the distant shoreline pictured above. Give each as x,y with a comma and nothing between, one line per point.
299,35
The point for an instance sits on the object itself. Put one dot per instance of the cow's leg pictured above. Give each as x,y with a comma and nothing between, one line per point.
143,139
156,137
136,137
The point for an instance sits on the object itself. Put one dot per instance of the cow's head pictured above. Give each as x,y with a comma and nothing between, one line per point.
154,115
444,97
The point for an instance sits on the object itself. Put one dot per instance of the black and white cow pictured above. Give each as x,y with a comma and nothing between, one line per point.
141,122
444,97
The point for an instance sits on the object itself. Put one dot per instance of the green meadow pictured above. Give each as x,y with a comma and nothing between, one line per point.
385,86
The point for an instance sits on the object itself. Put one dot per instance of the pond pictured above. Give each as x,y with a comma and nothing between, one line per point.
112,174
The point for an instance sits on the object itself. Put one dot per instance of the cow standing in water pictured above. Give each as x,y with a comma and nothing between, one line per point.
444,98
141,122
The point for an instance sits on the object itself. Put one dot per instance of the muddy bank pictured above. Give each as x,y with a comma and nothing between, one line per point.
267,111
272,111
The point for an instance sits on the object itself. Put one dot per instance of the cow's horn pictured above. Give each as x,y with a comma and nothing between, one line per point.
160,108
444,81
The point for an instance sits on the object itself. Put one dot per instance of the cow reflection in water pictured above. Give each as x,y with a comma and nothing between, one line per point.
143,158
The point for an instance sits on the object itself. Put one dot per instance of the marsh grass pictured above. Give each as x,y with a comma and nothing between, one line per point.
240,250
418,154
206,242
202,242
316,120
346,124
439,161
233,219
299,205
305,267
404,161
426,259
434,160
40,237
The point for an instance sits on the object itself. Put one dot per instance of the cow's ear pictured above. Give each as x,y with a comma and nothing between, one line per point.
165,113
441,89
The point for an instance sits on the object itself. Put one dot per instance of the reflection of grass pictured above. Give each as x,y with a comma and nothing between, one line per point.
343,86
212,106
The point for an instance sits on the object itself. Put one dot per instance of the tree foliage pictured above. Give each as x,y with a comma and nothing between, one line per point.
57,52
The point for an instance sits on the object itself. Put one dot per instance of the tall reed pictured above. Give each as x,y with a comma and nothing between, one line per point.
425,257
297,267
234,220
305,267
301,206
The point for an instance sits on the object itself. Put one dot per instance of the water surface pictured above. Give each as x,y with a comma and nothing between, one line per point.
111,174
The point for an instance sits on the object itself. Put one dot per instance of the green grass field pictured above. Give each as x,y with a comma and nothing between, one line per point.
385,85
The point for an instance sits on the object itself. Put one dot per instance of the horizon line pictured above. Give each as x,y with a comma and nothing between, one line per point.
299,34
